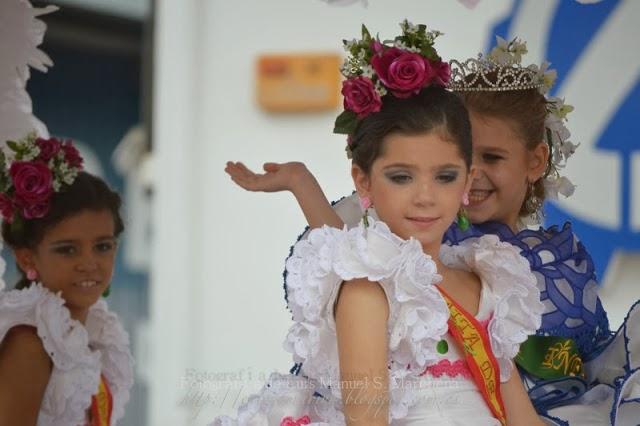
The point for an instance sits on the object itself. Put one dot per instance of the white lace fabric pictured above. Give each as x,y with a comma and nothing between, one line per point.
418,313
79,353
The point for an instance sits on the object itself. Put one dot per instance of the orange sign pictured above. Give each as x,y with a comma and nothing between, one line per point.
304,82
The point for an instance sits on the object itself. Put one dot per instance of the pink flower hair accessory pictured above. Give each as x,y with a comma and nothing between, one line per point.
31,171
375,69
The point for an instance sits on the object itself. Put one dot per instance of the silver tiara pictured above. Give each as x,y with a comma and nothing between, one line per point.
487,75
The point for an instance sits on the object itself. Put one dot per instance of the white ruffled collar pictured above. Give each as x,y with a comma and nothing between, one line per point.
517,307
79,353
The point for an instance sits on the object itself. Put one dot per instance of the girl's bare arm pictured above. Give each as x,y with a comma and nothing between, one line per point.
295,178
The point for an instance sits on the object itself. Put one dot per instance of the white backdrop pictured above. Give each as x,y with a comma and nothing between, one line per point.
217,302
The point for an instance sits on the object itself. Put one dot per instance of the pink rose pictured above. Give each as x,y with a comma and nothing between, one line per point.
32,181
360,96
36,210
48,148
403,73
377,47
72,155
6,207
442,72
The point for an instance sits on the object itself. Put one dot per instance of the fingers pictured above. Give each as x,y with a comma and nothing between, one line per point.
271,167
241,175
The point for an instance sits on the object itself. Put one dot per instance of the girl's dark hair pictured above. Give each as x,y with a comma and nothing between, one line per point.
87,192
434,109
526,110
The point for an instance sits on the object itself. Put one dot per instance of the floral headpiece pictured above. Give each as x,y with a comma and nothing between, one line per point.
31,170
501,70
373,69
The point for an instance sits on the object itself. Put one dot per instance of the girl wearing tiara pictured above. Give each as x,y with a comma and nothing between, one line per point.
520,146
64,357
390,326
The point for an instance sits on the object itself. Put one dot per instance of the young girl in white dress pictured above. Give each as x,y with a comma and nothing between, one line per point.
391,327
64,357
574,368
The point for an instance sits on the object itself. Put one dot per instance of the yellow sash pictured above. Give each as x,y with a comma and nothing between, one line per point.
102,405
474,341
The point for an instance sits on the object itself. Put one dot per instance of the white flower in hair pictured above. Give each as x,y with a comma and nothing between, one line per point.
507,53
547,76
568,149
560,185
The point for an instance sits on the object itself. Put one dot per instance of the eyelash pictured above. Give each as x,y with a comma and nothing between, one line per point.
71,250
491,158
65,250
401,179
447,178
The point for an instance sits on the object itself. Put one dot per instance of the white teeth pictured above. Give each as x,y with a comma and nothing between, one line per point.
87,284
477,195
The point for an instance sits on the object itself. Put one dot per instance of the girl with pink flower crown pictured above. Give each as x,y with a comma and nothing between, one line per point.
520,146
64,357
391,326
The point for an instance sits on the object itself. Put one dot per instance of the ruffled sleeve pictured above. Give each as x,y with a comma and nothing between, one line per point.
566,278
417,313
76,372
518,310
566,274
107,335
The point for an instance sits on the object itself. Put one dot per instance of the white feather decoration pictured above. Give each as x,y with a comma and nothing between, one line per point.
20,35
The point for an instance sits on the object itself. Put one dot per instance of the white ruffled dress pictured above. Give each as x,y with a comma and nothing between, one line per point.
79,353
428,385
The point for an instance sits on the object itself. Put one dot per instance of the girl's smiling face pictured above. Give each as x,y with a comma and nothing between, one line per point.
76,257
416,186
504,169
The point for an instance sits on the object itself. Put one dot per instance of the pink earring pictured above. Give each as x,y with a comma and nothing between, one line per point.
32,275
365,203
465,199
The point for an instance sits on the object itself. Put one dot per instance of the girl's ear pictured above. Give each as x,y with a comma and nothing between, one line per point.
361,181
24,258
538,160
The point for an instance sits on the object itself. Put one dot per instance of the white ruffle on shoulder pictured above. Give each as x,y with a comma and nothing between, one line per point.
418,314
79,353
518,310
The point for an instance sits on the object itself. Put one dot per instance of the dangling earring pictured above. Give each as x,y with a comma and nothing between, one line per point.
463,220
107,291
532,203
365,203
32,274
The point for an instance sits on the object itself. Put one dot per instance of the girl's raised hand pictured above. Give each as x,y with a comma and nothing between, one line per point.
277,176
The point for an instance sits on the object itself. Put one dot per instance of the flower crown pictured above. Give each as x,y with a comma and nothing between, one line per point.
502,70
373,69
31,170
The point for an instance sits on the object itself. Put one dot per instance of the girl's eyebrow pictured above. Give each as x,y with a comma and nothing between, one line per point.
400,165
412,166
447,166
63,242
493,149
